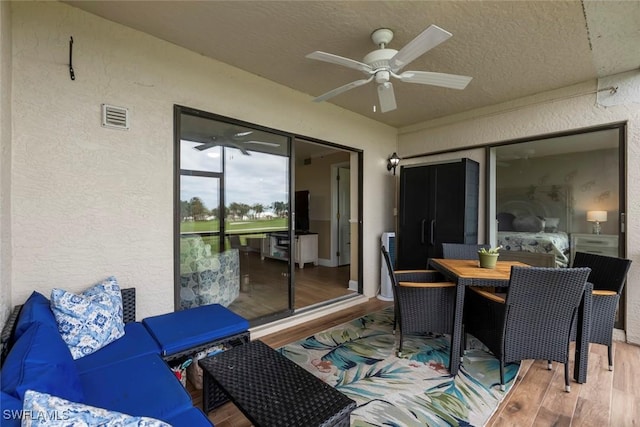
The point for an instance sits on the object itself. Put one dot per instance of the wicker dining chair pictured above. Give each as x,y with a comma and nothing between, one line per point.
423,302
533,321
608,276
461,250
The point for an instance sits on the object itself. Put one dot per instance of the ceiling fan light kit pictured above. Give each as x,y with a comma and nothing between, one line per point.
383,63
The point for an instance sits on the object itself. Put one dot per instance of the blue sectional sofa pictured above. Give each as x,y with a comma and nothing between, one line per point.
128,375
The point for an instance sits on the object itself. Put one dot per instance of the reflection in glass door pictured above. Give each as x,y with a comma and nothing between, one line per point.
257,223
545,188
233,203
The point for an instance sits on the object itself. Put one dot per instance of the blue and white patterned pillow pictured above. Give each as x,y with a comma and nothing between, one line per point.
89,321
42,409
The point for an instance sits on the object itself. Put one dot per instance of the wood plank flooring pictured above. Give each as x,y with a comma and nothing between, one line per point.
537,398
264,285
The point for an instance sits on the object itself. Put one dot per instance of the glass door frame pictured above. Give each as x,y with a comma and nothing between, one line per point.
358,161
180,110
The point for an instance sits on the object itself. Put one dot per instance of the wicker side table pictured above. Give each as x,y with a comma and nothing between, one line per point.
271,390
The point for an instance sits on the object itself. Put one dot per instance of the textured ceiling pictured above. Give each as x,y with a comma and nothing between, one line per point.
510,48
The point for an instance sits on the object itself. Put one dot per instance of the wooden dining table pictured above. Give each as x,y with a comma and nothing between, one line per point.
468,273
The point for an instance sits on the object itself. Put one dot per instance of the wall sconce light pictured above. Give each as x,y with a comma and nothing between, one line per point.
392,162
596,217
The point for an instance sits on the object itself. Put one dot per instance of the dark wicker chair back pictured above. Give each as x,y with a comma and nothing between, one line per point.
423,301
392,277
607,273
535,320
461,250
608,276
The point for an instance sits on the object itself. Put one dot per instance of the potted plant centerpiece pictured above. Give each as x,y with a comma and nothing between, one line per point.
488,257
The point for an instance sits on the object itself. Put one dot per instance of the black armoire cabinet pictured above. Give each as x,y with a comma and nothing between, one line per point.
438,204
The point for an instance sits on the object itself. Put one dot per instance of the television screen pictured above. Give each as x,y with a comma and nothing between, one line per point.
302,210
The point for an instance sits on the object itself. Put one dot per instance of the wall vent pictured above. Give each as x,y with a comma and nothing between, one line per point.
115,117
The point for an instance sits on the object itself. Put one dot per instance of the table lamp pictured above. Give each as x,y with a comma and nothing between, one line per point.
596,217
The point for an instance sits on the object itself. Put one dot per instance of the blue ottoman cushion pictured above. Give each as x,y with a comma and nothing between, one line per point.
136,342
182,330
141,385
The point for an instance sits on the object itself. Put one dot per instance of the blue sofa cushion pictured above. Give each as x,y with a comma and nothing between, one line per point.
11,410
189,328
52,410
40,360
189,418
142,385
35,309
136,342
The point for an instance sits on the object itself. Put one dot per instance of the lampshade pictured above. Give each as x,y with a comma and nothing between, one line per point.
597,216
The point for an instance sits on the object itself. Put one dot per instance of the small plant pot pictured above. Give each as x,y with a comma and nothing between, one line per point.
488,260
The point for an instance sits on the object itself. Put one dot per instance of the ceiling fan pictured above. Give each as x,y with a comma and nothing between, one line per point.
233,139
382,64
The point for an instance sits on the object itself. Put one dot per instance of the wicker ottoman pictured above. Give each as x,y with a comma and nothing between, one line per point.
271,390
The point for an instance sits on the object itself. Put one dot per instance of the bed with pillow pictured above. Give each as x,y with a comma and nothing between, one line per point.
535,219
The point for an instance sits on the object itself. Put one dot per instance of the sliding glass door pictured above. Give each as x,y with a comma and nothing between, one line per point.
546,193
256,220
267,223
233,191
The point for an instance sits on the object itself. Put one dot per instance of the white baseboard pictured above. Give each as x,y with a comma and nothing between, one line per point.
325,262
353,285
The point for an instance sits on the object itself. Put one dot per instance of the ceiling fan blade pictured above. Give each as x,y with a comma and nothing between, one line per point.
268,144
341,89
387,97
451,81
206,146
339,60
231,144
216,143
241,134
426,40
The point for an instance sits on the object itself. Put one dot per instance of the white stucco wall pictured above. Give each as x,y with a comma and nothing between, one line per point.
5,160
89,202
569,108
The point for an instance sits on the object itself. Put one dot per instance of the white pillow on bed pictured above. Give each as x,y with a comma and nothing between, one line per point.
551,225
529,224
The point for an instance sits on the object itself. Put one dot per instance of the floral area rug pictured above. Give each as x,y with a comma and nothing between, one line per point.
359,359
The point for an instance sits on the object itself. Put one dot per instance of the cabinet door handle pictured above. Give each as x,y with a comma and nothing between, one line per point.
422,230
432,239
